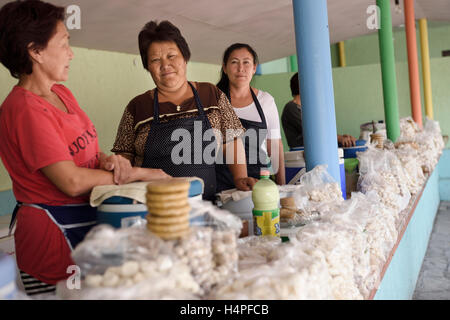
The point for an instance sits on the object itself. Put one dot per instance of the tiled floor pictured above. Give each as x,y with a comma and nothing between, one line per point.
434,277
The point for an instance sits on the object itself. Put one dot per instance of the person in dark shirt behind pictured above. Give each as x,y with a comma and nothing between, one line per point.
291,119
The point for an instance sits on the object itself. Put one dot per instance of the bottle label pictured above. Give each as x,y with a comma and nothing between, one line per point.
266,222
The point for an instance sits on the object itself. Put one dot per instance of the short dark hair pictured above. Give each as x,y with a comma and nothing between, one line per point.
23,23
164,31
224,82
295,86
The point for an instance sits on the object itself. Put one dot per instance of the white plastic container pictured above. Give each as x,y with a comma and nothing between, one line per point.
294,161
118,215
243,208
366,129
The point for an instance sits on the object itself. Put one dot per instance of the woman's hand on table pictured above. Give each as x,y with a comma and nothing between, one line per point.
245,184
120,166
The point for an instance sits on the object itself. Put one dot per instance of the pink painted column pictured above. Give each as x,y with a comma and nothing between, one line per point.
413,63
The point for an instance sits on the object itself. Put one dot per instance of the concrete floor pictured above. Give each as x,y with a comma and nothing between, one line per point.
434,278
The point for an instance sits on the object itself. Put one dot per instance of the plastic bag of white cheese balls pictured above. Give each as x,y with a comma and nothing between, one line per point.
381,171
428,141
352,217
210,250
210,255
431,144
254,251
290,274
372,230
320,185
105,246
334,242
128,263
317,192
164,278
408,155
381,233
433,130
408,129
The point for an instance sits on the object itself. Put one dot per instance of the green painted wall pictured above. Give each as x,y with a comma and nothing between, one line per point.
276,66
334,50
359,97
103,83
365,49
6,84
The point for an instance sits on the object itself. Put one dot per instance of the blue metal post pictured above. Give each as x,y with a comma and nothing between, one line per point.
258,70
316,85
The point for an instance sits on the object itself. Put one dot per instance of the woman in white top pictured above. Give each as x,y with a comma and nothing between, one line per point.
258,114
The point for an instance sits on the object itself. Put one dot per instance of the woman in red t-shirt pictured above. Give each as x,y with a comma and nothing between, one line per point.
49,145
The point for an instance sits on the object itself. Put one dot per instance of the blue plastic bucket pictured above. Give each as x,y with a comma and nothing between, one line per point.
113,210
360,146
292,168
294,162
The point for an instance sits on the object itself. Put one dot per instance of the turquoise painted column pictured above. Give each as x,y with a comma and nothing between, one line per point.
387,59
316,85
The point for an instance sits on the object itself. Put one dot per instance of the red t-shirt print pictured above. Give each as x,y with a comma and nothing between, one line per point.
81,143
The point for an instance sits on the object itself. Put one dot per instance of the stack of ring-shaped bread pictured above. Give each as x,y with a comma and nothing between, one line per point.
168,208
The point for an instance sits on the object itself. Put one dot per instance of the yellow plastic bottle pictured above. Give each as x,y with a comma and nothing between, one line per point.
266,213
